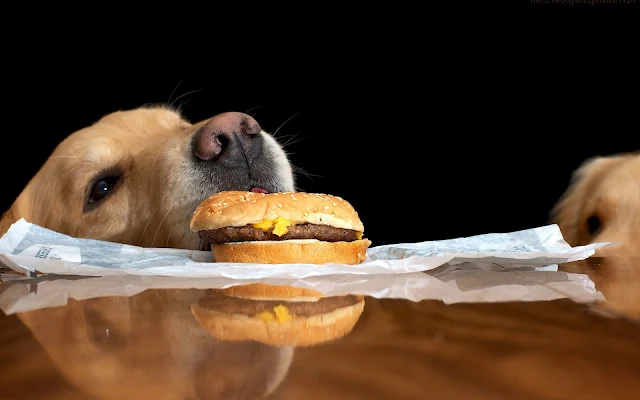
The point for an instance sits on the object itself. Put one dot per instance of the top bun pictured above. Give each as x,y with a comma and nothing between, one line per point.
240,208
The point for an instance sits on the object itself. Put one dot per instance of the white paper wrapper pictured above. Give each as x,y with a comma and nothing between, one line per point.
467,282
27,248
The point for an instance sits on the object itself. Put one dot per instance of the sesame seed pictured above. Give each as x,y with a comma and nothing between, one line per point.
279,205
326,207
305,214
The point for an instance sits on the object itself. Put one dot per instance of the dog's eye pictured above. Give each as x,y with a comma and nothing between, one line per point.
102,187
593,224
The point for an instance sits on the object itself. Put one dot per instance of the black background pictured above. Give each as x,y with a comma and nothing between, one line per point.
478,142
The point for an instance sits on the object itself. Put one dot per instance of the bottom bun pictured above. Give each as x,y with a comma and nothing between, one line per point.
292,252
298,332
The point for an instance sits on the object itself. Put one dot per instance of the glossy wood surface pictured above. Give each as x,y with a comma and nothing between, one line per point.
147,346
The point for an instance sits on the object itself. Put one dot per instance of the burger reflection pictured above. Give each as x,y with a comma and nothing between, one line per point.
277,315
234,343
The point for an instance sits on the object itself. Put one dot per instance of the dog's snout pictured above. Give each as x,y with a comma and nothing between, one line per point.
229,132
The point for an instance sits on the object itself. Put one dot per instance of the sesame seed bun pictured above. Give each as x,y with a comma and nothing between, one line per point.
237,209
298,331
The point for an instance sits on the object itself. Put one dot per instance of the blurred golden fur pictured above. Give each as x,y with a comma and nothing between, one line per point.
602,204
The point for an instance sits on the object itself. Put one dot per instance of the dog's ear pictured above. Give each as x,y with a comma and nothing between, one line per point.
566,211
8,218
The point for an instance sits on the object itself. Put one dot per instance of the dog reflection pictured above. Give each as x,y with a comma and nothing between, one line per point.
149,346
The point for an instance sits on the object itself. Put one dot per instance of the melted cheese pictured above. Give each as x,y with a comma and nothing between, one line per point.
277,226
280,314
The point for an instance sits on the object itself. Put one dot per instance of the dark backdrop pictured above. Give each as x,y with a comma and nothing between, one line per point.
422,156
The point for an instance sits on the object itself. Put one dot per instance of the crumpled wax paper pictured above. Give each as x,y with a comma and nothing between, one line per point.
27,248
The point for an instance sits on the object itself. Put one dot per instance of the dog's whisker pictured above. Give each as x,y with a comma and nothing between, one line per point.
174,90
185,94
291,140
183,106
280,127
144,230
251,109
160,225
286,136
166,244
301,171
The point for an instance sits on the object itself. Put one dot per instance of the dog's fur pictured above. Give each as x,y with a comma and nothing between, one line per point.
161,181
602,204
148,345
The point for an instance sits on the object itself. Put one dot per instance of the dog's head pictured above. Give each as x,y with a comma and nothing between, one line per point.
136,176
602,204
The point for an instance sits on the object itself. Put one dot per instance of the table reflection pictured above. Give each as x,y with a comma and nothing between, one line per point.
150,346
153,337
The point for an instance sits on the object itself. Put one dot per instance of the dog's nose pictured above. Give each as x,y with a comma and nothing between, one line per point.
229,134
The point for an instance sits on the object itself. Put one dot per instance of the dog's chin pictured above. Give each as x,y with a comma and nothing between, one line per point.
204,246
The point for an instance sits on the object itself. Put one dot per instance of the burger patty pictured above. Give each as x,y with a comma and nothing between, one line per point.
236,305
302,231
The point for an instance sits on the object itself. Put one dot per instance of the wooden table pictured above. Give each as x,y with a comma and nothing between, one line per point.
147,347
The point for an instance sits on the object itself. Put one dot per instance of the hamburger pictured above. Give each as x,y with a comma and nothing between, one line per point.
280,228
277,315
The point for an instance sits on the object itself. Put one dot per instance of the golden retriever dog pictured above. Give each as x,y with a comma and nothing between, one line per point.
136,176
602,204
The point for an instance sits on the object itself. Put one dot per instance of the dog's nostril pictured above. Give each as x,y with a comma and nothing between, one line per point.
249,126
223,140
207,144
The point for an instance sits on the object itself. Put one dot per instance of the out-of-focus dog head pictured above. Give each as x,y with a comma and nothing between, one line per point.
149,346
602,204
136,176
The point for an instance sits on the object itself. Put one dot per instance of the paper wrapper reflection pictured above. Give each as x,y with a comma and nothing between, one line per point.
465,282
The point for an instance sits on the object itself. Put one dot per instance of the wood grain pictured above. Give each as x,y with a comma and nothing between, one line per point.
398,350
428,350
